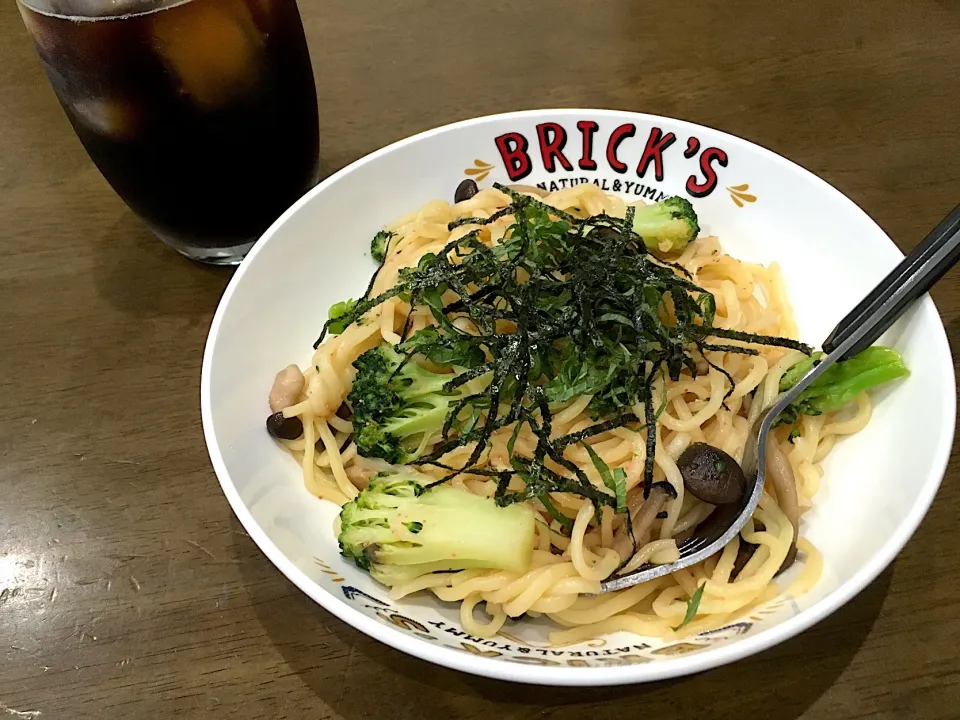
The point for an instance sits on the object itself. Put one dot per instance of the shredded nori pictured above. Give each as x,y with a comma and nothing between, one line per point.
562,307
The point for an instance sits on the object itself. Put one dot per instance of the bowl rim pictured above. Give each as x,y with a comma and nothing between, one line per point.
669,667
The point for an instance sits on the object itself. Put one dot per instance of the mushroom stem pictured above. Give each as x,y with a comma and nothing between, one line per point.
781,475
642,514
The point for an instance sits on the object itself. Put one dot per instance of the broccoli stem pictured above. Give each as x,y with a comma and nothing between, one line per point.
792,376
398,530
425,415
842,382
462,530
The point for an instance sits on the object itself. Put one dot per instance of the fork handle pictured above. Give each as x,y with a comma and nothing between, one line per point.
911,279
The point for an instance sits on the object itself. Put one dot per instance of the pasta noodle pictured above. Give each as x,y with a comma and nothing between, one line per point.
567,570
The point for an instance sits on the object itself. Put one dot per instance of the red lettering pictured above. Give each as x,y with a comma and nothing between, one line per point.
653,152
702,189
551,149
693,146
587,128
616,137
513,151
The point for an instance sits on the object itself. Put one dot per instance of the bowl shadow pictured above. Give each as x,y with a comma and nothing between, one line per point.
359,677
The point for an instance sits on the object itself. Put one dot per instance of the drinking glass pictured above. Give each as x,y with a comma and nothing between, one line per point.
202,114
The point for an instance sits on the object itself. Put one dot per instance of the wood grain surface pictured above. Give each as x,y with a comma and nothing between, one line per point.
128,589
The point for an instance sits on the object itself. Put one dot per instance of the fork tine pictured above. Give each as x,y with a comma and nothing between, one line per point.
693,544
686,545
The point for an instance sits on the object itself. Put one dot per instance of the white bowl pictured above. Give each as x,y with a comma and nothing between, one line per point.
877,484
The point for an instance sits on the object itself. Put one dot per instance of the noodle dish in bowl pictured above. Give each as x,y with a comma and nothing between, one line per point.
475,374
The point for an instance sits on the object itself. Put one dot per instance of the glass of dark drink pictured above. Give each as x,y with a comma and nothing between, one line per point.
202,114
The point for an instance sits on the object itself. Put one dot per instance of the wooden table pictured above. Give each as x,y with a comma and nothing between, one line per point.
128,589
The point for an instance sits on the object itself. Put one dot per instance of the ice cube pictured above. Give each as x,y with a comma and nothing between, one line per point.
116,118
213,48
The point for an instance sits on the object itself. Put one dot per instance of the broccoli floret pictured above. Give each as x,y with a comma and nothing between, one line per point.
379,245
395,412
337,311
667,225
841,383
398,529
